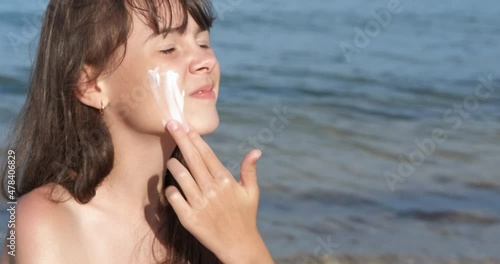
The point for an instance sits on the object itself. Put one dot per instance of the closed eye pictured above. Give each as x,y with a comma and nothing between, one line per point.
169,51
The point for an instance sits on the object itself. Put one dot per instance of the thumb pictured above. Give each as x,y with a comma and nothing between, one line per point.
248,172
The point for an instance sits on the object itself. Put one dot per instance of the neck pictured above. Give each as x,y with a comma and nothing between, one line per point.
135,182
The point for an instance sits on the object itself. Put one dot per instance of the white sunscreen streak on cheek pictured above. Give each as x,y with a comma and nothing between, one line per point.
168,95
175,96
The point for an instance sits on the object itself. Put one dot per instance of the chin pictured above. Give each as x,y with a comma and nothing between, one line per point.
205,124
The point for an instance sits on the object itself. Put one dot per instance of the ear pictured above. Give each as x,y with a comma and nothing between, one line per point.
88,91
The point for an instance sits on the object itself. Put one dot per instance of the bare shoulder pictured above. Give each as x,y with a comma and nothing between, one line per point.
43,200
43,223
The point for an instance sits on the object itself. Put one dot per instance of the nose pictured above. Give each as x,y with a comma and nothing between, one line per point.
204,61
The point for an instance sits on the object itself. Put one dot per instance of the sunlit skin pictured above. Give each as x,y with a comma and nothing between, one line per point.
117,225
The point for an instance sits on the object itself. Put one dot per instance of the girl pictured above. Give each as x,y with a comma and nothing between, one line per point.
101,179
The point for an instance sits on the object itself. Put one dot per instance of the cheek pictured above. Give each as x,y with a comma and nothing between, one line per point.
216,72
134,106
145,116
138,109
132,102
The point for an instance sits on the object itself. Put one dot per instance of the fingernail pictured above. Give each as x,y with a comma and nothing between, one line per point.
173,125
258,156
260,153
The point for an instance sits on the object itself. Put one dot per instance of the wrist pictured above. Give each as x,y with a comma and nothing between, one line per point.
250,251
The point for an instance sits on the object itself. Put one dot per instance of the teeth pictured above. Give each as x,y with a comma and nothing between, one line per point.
200,92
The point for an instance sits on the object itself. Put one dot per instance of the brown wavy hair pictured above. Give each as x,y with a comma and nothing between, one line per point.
58,139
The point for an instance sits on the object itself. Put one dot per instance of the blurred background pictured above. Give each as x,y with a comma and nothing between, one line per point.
379,121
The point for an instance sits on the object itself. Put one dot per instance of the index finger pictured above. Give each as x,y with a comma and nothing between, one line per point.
214,165
193,159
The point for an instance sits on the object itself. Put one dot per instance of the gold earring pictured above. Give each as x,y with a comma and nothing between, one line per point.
102,109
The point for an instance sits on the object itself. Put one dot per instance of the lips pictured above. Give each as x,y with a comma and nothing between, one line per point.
204,89
204,92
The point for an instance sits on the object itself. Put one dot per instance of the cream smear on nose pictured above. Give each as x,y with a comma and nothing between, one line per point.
169,97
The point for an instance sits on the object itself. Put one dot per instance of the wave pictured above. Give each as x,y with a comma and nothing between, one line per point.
450,217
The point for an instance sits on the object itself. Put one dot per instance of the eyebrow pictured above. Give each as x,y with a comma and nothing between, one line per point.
167,31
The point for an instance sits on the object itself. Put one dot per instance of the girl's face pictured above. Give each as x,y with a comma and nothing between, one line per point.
131,102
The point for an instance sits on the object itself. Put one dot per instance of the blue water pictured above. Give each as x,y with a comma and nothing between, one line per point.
323,176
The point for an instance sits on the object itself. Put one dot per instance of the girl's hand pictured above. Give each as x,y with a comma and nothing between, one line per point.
219,211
